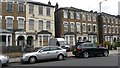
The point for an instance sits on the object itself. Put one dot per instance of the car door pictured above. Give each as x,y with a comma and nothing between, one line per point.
96,49
90,48
87,47
44,53
54,51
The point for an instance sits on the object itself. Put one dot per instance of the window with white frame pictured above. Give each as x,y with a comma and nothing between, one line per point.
9,6
9,23
40,10
20,23
48,11
89,27
72,26
66,38
20,7
71,39
71,14
116,21
94,18
109,29
45,37
78,26
65,26
111,20
83,27
31,8
48,24
40,24
65,12
77,15
108,19
104,19
90,38
89,17
113,29
105,28
94,28
116,29
31,24
84,17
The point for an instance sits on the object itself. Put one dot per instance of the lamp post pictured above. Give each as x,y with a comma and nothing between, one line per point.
100,4
100,27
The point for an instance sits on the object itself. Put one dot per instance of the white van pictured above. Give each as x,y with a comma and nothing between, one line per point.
59,42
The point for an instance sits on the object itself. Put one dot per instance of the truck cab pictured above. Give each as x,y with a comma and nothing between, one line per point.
59,42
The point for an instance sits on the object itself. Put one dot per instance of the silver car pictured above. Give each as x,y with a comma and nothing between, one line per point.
4,60
46,52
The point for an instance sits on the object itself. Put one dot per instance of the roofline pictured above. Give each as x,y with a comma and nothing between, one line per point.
39,3
74,9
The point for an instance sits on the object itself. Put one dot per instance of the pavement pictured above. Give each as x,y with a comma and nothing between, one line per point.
17,59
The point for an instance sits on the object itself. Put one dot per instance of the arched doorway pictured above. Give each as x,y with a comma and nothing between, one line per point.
84,39
21,41
79,39
114,40
29,40
118,39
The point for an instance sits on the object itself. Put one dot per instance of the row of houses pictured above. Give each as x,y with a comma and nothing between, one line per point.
81,25
34,23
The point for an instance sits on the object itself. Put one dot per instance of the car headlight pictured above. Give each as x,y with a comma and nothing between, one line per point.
6,57
24,56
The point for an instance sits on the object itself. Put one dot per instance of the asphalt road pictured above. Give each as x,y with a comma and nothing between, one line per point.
111,60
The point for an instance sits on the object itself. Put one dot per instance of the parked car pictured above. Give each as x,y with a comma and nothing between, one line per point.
89,49
46,52
4,60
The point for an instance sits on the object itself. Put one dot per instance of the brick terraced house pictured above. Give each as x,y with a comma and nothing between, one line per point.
26,23
75,25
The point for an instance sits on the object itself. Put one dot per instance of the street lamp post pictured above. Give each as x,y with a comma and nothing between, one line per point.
100,5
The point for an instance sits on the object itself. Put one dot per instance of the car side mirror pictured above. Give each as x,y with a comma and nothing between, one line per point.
41,51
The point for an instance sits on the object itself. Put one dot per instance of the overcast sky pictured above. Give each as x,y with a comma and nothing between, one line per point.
109,6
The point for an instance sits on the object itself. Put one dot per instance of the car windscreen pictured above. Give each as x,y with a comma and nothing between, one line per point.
36,49
86,45
78,45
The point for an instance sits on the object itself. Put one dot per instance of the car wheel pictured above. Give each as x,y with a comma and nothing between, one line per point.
105,53
85,54
60,57
32,60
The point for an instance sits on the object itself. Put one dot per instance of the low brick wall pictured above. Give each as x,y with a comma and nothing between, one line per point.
13,54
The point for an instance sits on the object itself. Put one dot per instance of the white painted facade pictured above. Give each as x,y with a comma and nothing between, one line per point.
36,17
